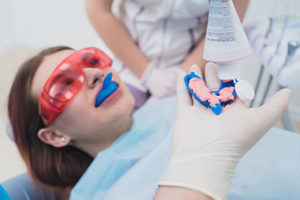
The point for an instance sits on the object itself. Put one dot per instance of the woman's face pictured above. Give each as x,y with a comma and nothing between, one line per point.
81,121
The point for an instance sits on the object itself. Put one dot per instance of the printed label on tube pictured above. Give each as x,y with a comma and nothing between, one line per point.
221,26
225,40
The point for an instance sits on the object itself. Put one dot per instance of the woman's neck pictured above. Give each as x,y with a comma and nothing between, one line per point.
94,148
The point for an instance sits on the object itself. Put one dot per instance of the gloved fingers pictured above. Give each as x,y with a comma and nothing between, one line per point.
170,83
272,110
163,92
152,99
237,104
175,69
276,105
211,76
183,96
162,83
196,69
148,73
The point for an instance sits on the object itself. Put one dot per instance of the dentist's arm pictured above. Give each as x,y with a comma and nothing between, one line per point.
160,82
196,56
115,35
241,7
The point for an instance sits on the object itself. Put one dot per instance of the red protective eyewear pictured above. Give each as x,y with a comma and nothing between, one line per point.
67,79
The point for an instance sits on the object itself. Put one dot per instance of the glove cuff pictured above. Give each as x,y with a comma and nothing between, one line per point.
205,176
147,73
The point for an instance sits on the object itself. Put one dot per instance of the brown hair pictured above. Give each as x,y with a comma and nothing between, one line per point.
59,168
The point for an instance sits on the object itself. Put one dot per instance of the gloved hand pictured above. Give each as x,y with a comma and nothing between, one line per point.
208,147
160,82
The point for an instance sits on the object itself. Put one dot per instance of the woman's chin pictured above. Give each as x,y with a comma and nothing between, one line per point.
121,101
113,98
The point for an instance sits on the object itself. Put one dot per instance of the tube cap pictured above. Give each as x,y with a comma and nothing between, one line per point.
244,90
229,71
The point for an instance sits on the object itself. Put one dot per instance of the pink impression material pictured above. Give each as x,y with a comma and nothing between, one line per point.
199,87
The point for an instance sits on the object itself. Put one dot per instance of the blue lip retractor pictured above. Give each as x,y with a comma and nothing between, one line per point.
107,89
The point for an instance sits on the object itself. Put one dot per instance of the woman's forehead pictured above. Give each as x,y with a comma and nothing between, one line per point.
49,63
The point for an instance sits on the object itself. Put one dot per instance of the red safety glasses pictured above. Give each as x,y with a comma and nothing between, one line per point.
67,79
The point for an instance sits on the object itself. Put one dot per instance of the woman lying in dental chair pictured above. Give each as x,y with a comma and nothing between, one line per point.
71,118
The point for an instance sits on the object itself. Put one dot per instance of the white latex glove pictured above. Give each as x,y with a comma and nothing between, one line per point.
160,82
208,147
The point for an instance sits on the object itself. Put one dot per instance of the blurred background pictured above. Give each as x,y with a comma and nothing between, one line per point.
28,26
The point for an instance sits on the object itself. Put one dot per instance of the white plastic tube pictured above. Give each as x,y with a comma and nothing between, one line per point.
226,41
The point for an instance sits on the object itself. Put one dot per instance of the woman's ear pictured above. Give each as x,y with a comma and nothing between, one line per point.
49,136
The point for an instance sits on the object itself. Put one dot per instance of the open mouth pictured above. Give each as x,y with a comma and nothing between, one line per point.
108,87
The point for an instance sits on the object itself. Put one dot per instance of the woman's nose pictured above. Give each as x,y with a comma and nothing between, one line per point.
94,77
